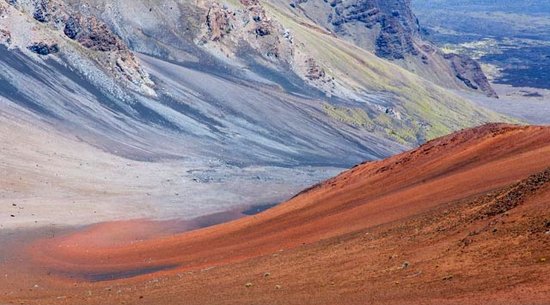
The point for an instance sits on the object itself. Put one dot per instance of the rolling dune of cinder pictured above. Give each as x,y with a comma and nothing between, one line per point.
463,219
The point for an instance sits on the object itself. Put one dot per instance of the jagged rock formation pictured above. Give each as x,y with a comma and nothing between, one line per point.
469,71
90,33
396,24
237,31
247,28
391,30
219,21
394,40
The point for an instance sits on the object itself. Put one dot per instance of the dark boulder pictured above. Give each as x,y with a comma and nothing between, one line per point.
42,48
41,11
262,31
72,28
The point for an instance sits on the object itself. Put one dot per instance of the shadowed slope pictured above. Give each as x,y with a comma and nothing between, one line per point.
430,226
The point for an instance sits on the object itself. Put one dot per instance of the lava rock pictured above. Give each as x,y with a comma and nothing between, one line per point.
41,11
72,28
42,48
262,31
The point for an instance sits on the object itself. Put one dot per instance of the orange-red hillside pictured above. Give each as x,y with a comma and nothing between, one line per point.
464,219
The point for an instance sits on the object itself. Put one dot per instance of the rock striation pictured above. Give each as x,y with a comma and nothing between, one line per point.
394,21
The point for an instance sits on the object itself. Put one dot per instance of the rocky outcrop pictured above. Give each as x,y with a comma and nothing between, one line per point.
394,40
262,25
314,71
90,33
42,48
248,29
390,29
42,11
470,73
87,30
394,22
220,21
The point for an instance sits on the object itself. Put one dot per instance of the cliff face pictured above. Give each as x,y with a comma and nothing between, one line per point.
391,30
393,20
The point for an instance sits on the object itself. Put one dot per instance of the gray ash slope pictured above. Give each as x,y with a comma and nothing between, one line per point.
257,113
196,115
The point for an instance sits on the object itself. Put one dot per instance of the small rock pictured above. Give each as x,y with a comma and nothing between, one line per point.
267,274
248,285
278,287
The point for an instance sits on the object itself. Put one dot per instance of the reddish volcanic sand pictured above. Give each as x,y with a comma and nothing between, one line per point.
461,220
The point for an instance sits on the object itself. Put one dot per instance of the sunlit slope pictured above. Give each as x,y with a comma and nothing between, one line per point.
460,220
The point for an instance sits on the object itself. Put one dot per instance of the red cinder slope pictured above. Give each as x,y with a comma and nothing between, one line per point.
461,220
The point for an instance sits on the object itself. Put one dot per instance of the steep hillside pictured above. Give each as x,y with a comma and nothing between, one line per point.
461,220
391,30
248,43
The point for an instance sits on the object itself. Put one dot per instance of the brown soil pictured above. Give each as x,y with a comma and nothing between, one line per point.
464,219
